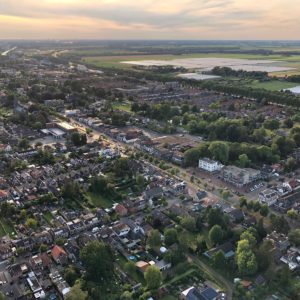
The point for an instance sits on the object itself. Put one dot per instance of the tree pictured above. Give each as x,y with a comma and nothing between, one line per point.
256,206
292,213
288,123
121,167
243,201
264,210
215,217
31,223
174,256
244,161
153,277
260,229
76,293
284,276
290,164
126,296
219,260
140,181
130,267
279,224
215,234
245,258
23,144
99,185
71,275
250,236
78,139
219,151
294,237
170,236
225,195
71,190
154,239
188,223
98,260
271,124
191,157
43,248
2,296
263,255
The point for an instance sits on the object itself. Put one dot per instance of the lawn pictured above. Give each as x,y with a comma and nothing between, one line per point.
122,106
100,200
6,228
2,232
48,216
136,276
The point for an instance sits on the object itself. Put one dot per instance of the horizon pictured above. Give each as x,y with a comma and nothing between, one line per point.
228,20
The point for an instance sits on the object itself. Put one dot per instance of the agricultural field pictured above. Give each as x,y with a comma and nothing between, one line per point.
273,85
281,64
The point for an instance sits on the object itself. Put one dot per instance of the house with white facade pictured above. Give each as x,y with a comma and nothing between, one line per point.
209,165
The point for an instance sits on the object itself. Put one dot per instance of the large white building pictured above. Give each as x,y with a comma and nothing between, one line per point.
209,165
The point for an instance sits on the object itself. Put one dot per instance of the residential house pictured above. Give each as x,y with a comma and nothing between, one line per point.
59,255
280,241
61,285
121,210
193,293
227,248
121,230
236,215
153,193
292,258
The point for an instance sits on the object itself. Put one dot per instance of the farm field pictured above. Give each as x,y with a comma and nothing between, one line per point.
290,63
274,85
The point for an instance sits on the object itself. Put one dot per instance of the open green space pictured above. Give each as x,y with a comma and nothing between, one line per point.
2,232
136,276
6,228
273,85
48,216
98,200
122,106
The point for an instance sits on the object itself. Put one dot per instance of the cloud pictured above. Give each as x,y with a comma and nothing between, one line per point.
144,18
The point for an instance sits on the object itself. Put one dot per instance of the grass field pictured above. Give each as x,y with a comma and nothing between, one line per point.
48,217
274,85
99,200
5,228
122,106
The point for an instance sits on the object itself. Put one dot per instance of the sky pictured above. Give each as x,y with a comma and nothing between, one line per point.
150,19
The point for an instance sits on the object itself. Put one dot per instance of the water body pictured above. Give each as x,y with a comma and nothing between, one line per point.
5,53
295,90
198,76
207,64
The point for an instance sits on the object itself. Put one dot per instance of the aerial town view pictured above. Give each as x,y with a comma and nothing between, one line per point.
149,150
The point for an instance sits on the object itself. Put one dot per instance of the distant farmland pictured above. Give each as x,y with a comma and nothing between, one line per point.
279,64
